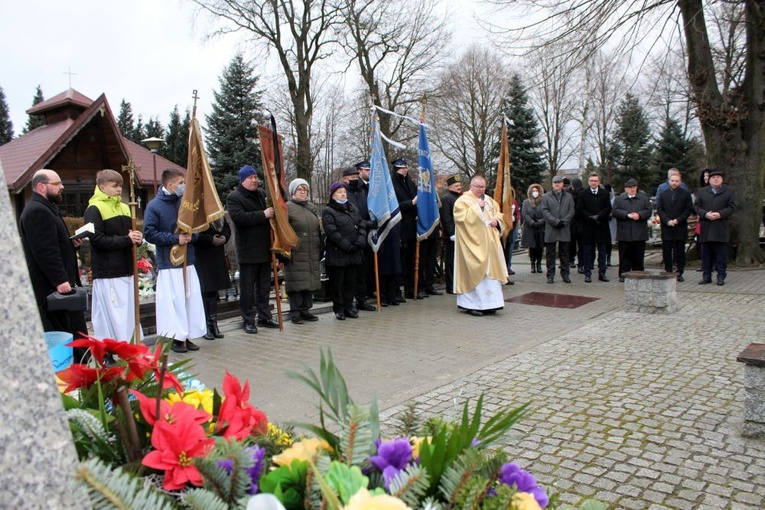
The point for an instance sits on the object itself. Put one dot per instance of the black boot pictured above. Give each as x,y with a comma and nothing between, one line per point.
539,266
533,266
214,323
209,335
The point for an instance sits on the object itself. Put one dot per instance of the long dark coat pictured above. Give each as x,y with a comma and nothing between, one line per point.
593,230
558,211
302,272
447,212
406,192
211,260
678,209
346,235
723,202
533,235
627,229
253,230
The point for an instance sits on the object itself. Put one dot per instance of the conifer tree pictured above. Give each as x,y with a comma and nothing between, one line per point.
232,134
125,121
631,147
35,121
139,130
176,146
6,126
527,161
154,128
674,149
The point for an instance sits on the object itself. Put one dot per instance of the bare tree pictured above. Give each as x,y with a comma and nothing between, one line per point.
467,110
731,113
299,33
397,45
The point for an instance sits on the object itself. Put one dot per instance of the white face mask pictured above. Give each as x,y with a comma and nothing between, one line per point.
535,194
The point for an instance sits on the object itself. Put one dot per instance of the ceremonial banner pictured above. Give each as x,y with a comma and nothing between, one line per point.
271,155
503,189
382,202
200,204
427,197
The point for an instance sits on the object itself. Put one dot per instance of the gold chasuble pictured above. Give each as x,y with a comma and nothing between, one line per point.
477,249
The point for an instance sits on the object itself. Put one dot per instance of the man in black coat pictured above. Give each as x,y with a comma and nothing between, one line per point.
358,191
406,194
715,204
447,228
631,210
674,205
593,209
50,254
247,208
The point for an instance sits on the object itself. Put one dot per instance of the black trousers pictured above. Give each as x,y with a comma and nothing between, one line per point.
255,287
587,258
449,265
631,256
565,266
210,302
342,285
674,253
300,302
714,256
536,254
408,252
362,275
428,257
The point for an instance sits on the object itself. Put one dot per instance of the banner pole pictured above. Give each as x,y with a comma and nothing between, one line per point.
377,282
275,270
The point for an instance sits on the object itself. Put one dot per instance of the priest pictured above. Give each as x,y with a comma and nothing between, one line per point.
479,262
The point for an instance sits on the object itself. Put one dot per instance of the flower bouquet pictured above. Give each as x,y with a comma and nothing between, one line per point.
148,442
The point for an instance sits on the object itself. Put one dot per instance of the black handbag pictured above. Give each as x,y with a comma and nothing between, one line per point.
74,301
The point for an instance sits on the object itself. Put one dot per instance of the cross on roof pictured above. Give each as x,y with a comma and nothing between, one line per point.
70,73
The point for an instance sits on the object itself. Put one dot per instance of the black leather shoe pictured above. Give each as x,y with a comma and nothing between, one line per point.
250,328
209,335
510,282
587,279
191,346
621,279
297,320
340,316
398,300
705,281
550,279
421,294
720,281
533,268
680,278
353,314
510,272
434,292
581,270
178,346
366,307
566,279
475,313
384,304
603,278
308,316
268,323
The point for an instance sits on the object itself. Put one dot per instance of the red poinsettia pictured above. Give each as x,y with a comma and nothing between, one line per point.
101,347
176,446
81,376
144,265
172,414
237,417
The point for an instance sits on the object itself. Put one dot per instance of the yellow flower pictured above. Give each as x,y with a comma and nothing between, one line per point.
525,501
200,399
416,442
302,450
278,436
364,500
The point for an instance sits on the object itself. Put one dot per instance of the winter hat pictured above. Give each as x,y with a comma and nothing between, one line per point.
335,186
245,172
297,182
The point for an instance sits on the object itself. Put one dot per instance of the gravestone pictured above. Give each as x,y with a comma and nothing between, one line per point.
38,458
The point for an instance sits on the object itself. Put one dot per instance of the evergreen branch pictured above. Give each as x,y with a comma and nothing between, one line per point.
457,475
113,488
410,485
201,499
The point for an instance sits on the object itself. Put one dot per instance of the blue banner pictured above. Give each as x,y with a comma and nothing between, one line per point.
382,203
427,196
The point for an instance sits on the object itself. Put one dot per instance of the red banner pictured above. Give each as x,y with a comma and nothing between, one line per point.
284,236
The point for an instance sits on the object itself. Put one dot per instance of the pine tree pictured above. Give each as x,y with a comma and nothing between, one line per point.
673,149
631,148
138,130
6,126
154,129
232,136
35,121
527,161
125,120
176,146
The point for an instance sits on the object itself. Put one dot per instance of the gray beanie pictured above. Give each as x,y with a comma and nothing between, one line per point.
295,183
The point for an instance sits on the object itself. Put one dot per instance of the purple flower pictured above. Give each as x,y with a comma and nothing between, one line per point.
254,472
392,457
511,474
226,464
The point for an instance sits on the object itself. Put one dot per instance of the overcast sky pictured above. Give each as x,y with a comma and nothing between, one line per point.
151,53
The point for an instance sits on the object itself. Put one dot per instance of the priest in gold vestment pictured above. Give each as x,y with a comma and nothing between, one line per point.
479,262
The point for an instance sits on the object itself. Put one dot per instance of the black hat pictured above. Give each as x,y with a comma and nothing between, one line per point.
362,164
454,179
630,183
566,181
714,171
399,163
351,170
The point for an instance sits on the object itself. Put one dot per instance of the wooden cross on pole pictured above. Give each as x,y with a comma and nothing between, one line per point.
194,96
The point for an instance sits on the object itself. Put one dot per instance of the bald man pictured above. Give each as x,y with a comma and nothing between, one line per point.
51,256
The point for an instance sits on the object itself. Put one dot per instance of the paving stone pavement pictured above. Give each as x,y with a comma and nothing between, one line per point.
639,411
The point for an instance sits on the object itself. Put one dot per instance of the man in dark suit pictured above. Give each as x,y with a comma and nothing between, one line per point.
50,254
406,194
358,191
631,210
674,205
454,187
715,204
593,209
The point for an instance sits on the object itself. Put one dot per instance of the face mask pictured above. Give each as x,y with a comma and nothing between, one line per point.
342,202
535,194
353,184
180,189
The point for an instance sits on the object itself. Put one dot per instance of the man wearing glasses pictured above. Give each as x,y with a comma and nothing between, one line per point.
50,253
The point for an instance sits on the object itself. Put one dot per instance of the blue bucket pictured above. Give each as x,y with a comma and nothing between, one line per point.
60,354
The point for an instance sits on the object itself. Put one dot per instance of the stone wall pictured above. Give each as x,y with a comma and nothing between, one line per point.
647,292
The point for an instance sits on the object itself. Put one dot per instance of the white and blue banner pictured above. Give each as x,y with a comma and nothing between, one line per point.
427,196
382,203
